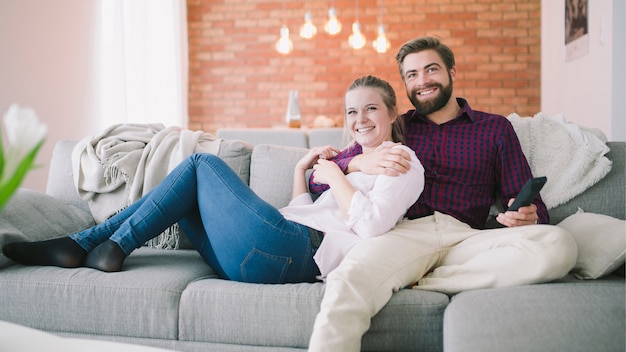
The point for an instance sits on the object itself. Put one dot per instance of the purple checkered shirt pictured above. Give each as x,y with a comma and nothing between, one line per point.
468,161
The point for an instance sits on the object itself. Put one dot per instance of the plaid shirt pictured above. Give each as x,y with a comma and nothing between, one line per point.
468,161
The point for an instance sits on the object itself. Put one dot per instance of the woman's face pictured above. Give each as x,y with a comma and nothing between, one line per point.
367,117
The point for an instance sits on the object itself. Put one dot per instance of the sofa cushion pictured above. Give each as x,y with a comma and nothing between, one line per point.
140,301
236,154
271,172
281,316
577,316
601,241
33,216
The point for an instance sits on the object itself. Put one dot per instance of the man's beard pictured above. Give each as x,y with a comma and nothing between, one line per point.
431,105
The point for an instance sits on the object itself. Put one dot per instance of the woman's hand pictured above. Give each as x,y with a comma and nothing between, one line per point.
329,173
314,154
308,161
326,172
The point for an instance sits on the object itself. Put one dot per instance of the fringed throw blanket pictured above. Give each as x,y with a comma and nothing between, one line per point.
571,156
117,166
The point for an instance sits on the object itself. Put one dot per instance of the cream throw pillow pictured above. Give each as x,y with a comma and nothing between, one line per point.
601,243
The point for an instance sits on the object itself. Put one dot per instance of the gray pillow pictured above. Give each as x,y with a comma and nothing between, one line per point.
35,216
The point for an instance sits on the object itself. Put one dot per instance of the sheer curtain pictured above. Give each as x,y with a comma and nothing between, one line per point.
143,62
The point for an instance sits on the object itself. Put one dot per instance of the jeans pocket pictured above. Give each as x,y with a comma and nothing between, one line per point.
264,268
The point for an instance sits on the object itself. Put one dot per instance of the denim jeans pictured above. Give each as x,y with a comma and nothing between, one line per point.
240,235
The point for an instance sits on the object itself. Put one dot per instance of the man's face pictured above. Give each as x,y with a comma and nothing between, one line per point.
428,83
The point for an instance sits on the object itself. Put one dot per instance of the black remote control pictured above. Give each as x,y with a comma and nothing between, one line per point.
529,192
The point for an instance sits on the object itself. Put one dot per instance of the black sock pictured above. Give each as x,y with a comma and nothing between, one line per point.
107,257
63,252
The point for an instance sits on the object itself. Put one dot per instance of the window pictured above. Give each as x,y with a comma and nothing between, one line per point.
142,62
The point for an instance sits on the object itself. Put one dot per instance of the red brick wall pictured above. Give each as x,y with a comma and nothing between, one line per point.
237,79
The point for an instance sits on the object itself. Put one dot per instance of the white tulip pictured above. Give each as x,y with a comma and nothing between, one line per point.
25,134
24,131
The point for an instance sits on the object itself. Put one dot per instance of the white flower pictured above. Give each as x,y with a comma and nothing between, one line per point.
24,131
25,135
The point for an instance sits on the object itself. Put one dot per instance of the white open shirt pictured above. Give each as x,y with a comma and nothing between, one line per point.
378,204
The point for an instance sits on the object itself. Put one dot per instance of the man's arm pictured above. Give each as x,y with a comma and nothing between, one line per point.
514,172
384,161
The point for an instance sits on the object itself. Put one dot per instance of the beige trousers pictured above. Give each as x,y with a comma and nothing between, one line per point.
439,253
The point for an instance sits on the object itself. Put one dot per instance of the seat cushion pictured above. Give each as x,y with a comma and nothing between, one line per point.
220,311
572,316
140,301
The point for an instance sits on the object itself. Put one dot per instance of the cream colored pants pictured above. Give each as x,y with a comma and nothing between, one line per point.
439,253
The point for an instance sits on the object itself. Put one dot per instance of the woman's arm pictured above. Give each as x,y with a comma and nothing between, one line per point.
377,211
327,172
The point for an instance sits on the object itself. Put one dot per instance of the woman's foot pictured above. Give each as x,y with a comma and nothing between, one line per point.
107,257
63,252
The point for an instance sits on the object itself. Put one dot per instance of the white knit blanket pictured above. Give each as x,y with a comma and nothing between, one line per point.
570,156
117,166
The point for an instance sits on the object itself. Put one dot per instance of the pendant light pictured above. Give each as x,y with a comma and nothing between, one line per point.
284,45
381,44
332,26
357,39
308,29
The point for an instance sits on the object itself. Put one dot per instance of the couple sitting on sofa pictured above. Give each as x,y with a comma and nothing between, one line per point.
438,209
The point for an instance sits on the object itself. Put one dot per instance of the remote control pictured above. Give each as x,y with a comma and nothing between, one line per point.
529,192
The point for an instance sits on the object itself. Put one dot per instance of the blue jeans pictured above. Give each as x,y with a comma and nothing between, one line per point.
237,233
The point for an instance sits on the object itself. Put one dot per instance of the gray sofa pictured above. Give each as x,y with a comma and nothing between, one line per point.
173,299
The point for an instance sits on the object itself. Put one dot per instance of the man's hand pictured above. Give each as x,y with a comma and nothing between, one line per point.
523,216
383,161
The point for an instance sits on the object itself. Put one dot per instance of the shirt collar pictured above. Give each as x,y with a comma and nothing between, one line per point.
466,112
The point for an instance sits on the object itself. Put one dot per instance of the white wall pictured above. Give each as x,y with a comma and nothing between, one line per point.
46,62
619,70
589,90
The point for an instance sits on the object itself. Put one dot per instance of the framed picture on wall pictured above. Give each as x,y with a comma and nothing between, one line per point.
576,29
